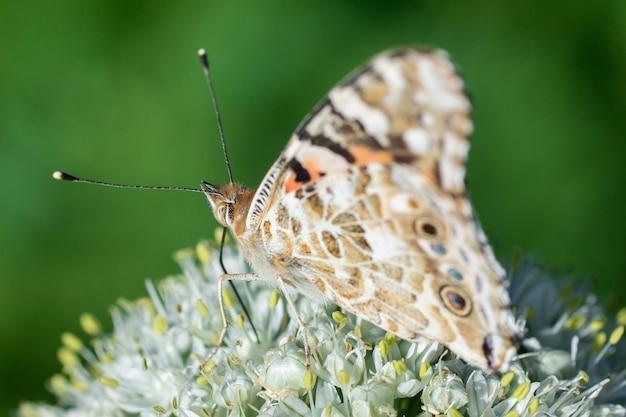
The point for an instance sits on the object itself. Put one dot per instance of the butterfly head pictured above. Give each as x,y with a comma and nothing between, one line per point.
230,204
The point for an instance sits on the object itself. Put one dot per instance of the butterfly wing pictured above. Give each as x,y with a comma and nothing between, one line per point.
367,206
406,106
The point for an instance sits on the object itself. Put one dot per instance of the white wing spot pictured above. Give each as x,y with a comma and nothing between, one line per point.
418,141
317,123
455,147
428,120
326,161
442,95
452,174
399,203
391,73
347,101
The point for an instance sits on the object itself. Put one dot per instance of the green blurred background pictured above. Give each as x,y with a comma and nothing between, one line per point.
112,90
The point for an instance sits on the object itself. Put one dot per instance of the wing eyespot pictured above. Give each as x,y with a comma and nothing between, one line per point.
455,300
429,228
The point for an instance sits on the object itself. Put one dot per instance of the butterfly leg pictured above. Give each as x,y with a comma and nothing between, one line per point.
301,323
290,302
220,340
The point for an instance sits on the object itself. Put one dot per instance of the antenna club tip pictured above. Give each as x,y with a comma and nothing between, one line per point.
62,176
203,59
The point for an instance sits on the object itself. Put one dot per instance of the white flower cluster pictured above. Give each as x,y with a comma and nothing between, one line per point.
152,362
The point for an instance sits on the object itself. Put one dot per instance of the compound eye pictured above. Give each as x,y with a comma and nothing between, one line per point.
228,217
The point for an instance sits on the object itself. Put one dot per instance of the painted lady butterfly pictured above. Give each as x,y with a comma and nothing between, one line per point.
367,207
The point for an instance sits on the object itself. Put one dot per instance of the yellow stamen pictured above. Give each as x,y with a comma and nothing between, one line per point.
67,357
574,323
584,377
227,297
621,317
453,412
89,324
274,297
309,379
399,366
383,347
424,367
159,326
598,342
204,311
343,377
203,252
507,378
182,255
521,391
598,324
58,384
109,382
159,409
616,335
71,342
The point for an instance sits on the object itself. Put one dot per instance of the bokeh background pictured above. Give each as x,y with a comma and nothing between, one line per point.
113,90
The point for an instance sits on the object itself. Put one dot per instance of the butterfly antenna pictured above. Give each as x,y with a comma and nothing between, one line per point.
63,176
207,74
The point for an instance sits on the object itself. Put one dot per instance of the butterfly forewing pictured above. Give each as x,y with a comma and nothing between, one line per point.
366,206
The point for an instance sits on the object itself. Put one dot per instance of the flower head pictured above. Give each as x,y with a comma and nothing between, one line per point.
153,361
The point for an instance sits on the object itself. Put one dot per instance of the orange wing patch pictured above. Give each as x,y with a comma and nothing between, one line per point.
312,167
364,155
302,173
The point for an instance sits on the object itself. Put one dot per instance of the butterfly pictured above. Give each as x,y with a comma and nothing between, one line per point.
366,207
